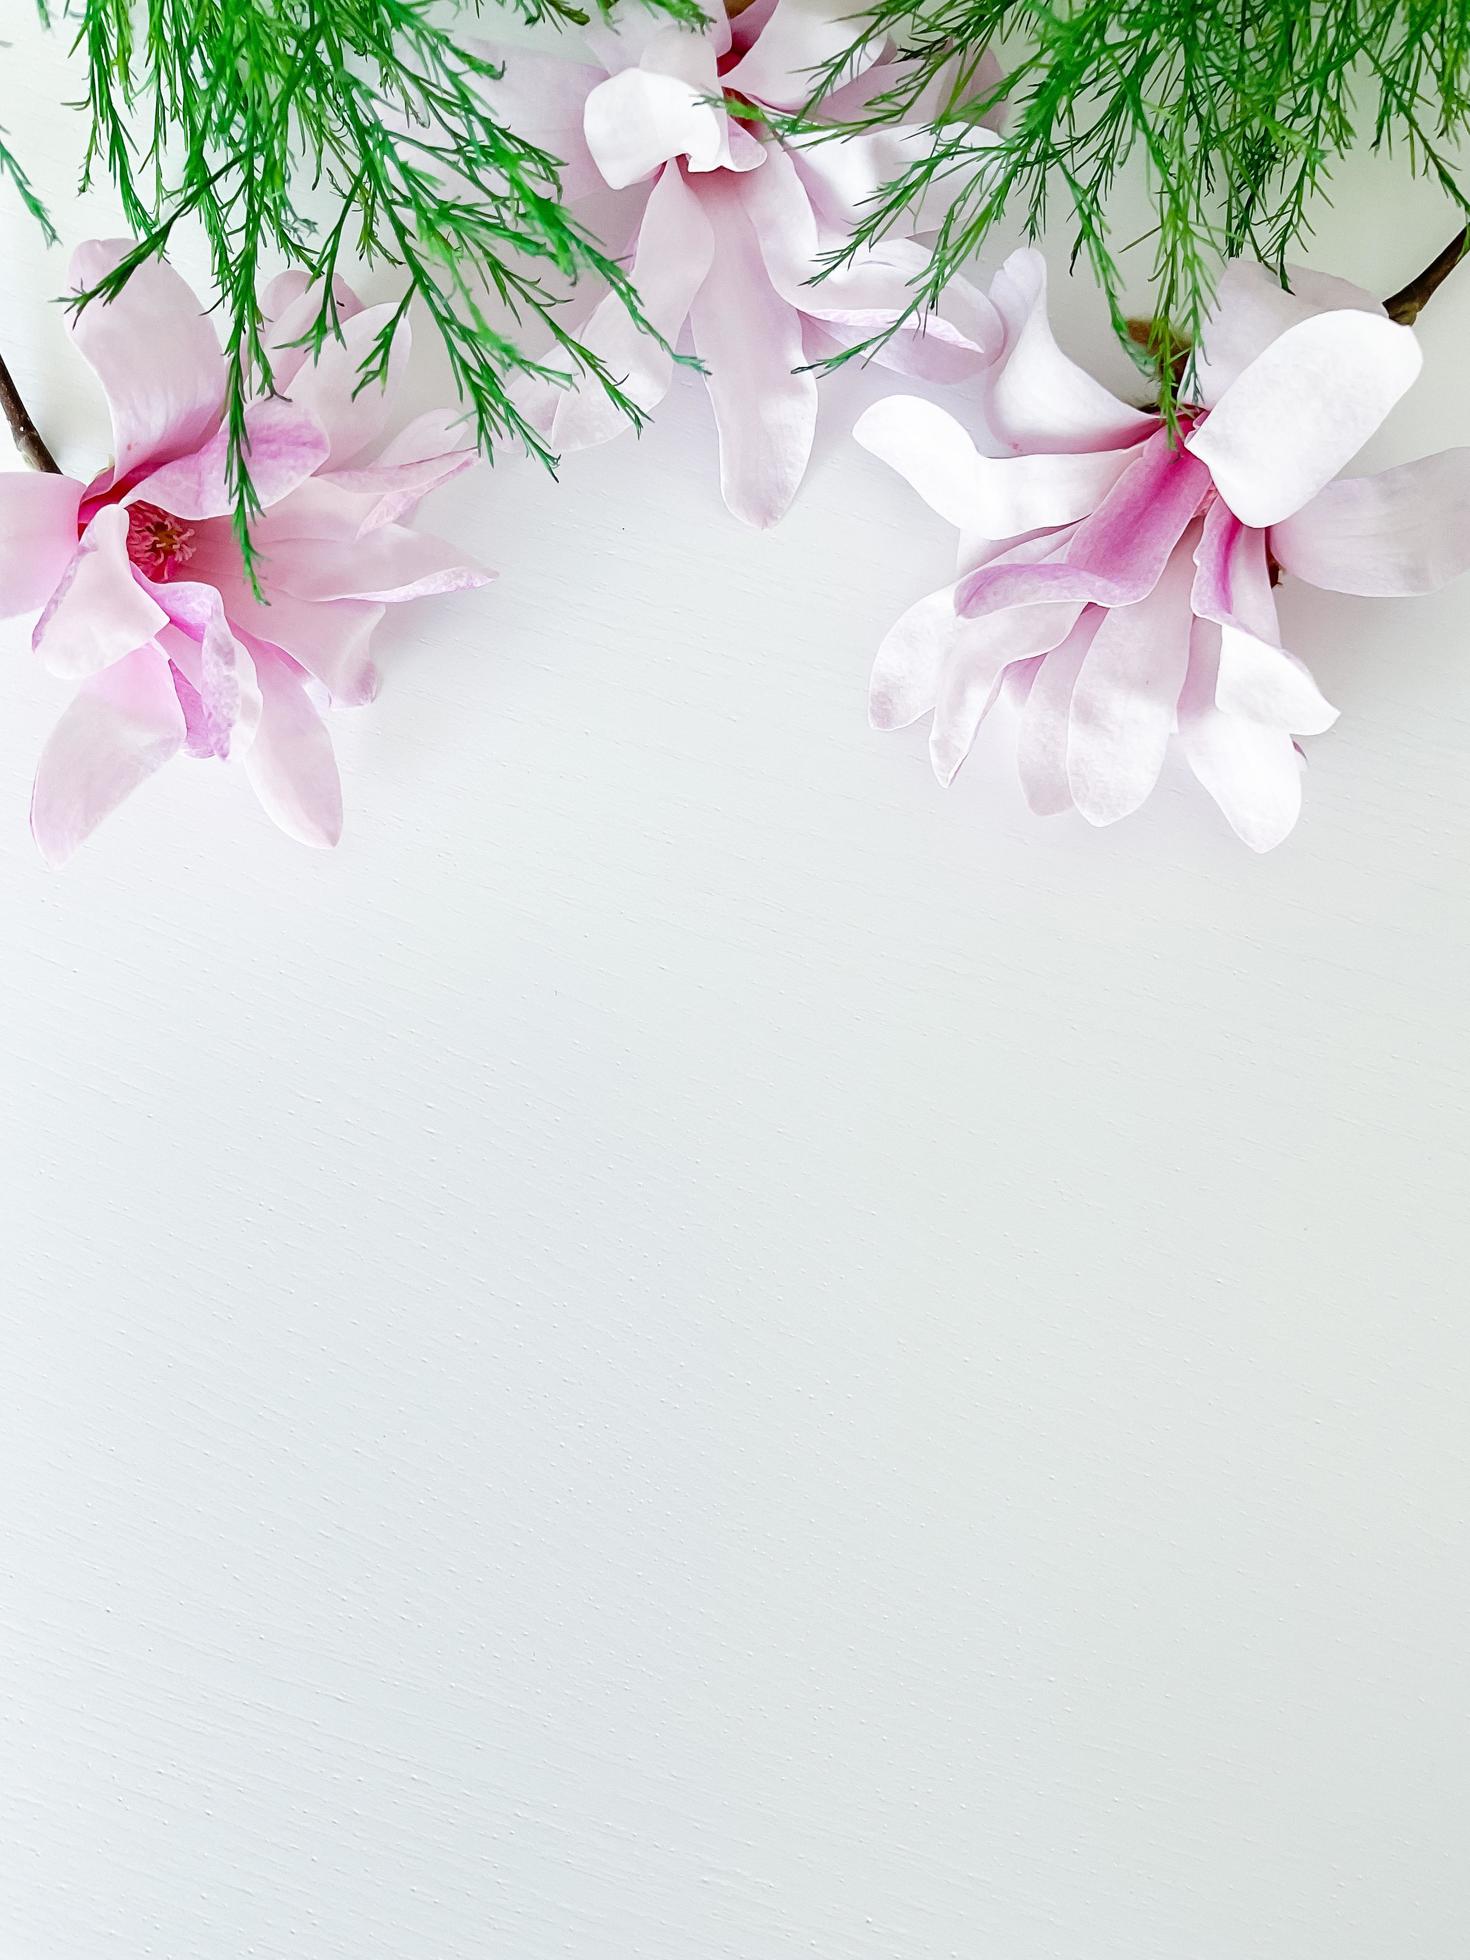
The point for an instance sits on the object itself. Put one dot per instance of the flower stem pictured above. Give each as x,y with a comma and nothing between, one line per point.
28,438
1406,305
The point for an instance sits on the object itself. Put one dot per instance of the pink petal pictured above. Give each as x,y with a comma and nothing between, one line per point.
1265,684
1124,700
1232,582
974,665
291,765
123,724
928,448
217,671
845,174
1036,398
750,339
1252,771
285,447
799,37
330,641
1041,745
291,304
156,355
38,537
674,252
1252,308
1302,408
1116,555
331,389
389,565
906,672
1402,531
99,611
541,97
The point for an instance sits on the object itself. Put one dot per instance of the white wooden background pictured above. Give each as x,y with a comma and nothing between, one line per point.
693,1349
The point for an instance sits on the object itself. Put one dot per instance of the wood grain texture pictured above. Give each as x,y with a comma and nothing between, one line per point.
695,1350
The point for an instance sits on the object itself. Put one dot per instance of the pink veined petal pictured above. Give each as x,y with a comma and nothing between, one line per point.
203,721
1263,683
1403,531
1036,399
636,121
352,413
218,674
99,611
291,304
285,446
799,37
1232,581
867,295
1251,770
1305,406
389,565
750,340
38,536
974,666
123,723
1041,744
431,451
674,252
330,641
1252,308
1116,555
156,355
291,764
541,97
1124,701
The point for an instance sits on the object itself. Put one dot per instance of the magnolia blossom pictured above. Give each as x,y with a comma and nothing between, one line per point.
143,597
723,227
1117,583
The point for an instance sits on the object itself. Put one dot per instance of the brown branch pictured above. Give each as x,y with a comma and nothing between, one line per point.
28,438
1406,305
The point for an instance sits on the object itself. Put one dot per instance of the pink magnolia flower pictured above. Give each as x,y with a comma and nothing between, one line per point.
1118,586
143,598
723,226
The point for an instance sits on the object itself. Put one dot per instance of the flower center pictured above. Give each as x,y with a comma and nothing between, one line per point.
158,542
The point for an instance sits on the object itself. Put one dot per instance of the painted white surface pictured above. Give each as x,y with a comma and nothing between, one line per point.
695,1349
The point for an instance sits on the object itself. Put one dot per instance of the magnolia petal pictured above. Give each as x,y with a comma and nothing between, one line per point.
1302,408
906,672
1253,771
541,97
389,565
1041,743
1252,308
218,674
99,611
156,355
330,641
292,305
1036,399
750,340
974,666
291,764
928,448
1232,580
38,536
122,725
1117,554
1125,697
1263,683
1403,531
801,36
349,412
674,252
285,445
637,121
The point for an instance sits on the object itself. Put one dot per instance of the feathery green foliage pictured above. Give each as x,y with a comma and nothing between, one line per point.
1239,108
311,130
